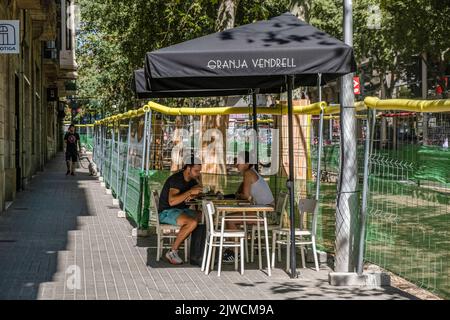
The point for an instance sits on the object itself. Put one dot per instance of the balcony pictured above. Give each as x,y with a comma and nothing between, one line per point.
28,4
43,14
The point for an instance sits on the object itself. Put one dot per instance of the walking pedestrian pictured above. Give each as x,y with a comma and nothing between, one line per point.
71,149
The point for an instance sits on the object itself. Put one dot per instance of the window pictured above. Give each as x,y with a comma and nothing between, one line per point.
68,26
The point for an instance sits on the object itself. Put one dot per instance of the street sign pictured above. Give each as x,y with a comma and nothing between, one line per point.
52,94
356,85
9,37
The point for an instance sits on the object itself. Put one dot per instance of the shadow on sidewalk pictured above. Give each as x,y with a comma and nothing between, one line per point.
36,229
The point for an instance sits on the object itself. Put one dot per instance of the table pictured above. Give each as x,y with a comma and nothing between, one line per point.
194,202
243,208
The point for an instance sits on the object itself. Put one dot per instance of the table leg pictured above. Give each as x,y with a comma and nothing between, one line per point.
266,233
259,241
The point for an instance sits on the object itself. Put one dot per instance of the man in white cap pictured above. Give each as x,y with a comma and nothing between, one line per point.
178,188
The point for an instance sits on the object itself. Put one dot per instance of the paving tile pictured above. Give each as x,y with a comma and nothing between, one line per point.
73,237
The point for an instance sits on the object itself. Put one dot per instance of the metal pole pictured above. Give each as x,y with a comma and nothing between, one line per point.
127,167
346,207
144,149
110,157
331,130
319,152
365,192
100,149
103,150
290,182
149,140
94,147
255,128
118,162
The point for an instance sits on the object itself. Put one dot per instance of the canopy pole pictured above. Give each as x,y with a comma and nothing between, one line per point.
290,182
365,191
255,128
319,152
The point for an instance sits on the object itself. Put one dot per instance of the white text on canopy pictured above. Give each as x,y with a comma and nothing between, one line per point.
260,63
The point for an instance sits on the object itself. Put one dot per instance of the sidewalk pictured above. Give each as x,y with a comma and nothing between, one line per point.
61,224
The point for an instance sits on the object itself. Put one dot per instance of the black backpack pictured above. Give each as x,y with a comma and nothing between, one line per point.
198,237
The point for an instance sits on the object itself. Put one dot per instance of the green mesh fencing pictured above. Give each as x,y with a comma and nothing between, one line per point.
408,222
407,228
122,167
87,141
133,202
119,158
108,145
113,183
86,133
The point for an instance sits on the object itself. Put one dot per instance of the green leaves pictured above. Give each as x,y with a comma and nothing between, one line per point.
116,34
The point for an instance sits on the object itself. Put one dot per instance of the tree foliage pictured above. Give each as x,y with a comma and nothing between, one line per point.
115,35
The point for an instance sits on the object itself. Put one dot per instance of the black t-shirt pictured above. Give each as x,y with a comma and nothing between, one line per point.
175,181
72,139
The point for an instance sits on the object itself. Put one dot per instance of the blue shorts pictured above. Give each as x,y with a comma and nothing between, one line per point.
170,216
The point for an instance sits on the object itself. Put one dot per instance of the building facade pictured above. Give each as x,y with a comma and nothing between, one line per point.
31,84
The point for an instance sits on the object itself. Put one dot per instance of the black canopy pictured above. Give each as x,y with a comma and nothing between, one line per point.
271,56
142,91
257,55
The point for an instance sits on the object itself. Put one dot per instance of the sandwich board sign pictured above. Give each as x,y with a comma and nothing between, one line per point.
9,37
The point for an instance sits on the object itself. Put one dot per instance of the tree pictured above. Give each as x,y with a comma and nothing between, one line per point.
116,34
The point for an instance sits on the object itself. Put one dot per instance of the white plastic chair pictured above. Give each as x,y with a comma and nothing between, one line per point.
165,231
305,206
215,237
274,223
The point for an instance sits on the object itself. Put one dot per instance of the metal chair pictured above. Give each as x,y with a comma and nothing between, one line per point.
215,237
165,231
305,206
275,220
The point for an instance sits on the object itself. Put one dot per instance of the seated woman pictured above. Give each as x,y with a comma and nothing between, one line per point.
253,187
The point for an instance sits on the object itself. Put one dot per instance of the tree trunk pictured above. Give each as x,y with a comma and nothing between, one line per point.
383,135
424,97
226,15
214,147
301,8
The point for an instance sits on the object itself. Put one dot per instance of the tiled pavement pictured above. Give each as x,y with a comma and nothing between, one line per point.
63,224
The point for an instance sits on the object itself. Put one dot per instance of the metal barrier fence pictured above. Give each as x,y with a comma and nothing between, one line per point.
119,152
86,132
408,209
404,186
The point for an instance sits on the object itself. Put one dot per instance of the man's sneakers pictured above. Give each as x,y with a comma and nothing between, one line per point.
67,173
173,257
72,173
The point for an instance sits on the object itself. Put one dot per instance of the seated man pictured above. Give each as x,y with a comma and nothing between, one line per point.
179,188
